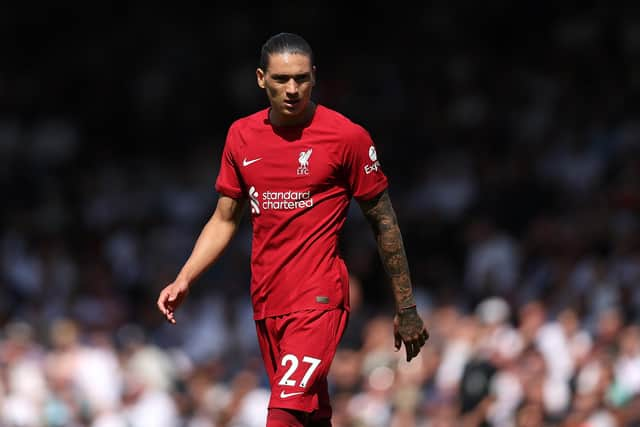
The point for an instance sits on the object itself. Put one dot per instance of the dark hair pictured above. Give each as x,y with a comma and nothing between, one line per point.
281,43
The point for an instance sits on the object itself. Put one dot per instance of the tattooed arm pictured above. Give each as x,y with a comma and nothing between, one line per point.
408,326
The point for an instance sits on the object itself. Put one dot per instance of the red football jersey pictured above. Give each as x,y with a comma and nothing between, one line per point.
299,182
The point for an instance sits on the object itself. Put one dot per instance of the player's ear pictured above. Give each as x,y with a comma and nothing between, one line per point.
260,77
313,75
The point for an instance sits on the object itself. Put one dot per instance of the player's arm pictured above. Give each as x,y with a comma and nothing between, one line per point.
211,243
408,326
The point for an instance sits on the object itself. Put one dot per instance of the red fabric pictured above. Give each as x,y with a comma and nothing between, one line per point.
291,345
299,183
283,418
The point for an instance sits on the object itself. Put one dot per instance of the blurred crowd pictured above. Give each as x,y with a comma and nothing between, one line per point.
511,138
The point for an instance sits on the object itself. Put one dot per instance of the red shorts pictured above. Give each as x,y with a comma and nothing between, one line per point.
298,349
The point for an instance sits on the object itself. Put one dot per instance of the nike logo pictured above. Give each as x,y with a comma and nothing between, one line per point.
246,162
284,395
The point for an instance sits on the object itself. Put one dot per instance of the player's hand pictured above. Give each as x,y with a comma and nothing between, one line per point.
409,329
171,297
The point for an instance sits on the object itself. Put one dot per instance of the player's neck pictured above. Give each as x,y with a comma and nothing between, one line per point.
302,120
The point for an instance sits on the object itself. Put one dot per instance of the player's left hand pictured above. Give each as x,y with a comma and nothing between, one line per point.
409,329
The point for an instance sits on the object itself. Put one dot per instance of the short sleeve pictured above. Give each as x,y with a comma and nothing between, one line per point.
229,181
362,166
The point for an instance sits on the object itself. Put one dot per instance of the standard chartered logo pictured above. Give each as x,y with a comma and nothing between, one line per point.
255,204
286,200
279,200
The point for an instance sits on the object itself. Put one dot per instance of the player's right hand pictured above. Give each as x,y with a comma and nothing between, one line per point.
171,297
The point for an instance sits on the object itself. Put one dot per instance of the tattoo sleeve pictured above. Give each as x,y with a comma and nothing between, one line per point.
382,218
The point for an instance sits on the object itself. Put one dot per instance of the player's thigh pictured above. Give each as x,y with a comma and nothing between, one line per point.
268,343
307,347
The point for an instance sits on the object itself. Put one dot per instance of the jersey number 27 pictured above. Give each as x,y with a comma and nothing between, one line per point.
290,358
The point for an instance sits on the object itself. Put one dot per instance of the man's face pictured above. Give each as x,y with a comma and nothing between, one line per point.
288,81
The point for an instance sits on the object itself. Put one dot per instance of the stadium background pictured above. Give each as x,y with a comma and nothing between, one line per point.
511,138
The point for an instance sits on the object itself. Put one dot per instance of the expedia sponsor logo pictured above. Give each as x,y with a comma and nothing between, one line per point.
375,166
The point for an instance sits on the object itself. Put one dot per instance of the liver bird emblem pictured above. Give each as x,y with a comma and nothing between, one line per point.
304,158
